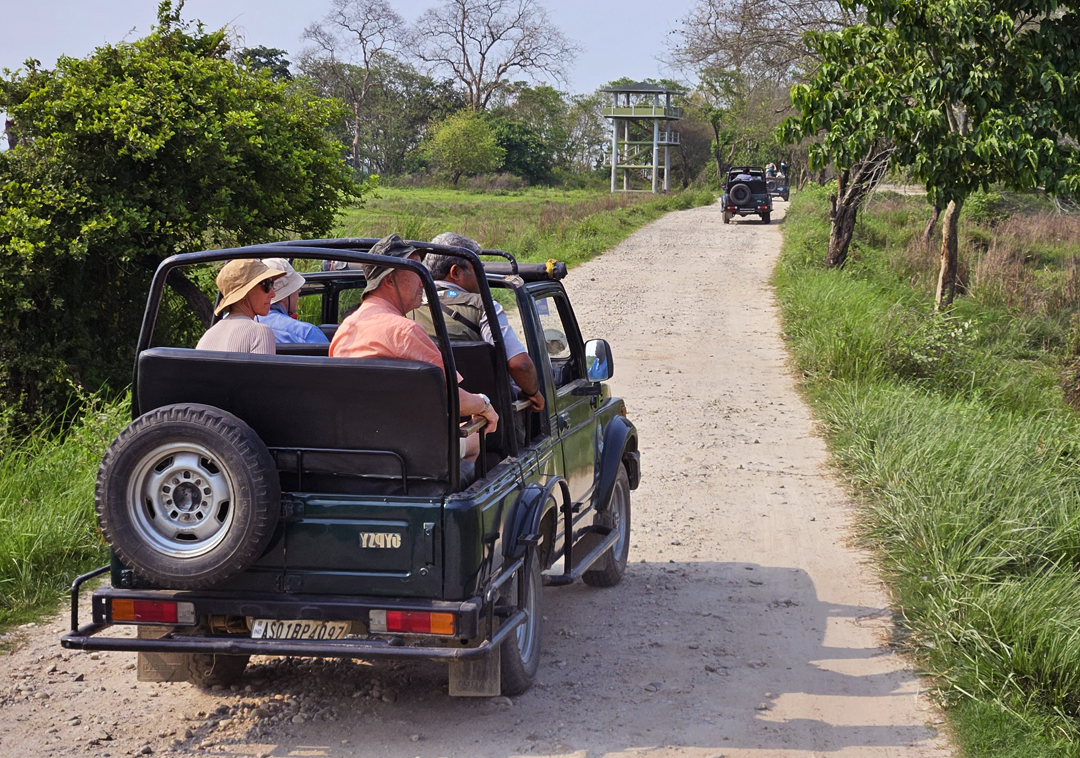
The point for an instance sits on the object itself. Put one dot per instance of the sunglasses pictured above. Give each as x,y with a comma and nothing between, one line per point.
267,285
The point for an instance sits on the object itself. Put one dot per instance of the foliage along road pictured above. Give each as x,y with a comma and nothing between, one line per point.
745,626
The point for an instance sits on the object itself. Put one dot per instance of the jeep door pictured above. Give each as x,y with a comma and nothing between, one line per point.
572,414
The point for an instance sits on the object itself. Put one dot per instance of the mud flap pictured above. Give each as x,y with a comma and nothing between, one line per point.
479,677
161,667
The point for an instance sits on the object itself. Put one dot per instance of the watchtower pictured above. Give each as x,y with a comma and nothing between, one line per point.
641,116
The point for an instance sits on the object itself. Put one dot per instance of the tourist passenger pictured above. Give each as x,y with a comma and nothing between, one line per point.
460,300
246,287
282,316
380,329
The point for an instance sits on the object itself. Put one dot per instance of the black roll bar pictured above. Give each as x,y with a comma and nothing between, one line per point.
336,250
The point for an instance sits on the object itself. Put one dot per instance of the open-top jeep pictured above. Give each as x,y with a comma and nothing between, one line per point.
302,505
746,194
778,186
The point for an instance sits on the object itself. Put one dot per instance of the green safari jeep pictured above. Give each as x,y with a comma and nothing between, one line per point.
302,505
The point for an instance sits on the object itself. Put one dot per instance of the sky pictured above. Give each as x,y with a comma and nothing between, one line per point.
621,38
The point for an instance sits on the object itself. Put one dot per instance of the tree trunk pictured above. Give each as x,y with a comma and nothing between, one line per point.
946,288
928,232
716,153
842,216
356,137
852,187
194,296
11,132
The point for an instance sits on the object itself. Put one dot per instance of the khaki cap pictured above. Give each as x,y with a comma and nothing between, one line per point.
393,246
238,277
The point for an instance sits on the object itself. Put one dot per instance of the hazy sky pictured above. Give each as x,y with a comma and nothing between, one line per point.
621,38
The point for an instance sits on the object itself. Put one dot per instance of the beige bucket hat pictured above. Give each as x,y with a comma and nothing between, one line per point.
288,284
238,277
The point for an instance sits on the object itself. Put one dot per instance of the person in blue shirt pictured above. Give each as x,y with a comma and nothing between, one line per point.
282,316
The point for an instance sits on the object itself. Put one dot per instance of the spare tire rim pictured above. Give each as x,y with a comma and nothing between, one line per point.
180,500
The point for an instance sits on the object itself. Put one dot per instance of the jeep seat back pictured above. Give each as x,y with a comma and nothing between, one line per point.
334,425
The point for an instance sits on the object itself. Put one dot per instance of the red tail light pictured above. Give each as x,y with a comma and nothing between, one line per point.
151,612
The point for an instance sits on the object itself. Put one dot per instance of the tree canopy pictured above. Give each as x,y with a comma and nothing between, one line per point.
137,152
969,92
465,144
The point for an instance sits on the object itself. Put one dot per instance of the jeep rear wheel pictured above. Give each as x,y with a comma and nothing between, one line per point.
188,496
208,670
521,650
608,571
766,218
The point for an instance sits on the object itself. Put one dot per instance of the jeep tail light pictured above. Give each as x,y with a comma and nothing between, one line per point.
151,612
411,622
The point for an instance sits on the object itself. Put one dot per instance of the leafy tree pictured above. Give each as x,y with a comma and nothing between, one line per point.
262,58
347,45
482,44
525,153
397,114
969,93
137,152
464,145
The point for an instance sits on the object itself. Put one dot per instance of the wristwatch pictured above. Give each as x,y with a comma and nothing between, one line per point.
487,403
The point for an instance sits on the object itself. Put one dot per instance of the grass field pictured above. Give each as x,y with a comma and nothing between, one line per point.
534,225
957,434
48,530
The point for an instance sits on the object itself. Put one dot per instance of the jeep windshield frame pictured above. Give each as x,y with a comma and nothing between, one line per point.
350,251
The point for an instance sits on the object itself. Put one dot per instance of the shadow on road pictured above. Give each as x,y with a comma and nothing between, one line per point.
680,659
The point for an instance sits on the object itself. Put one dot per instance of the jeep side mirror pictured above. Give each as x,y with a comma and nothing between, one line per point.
598,361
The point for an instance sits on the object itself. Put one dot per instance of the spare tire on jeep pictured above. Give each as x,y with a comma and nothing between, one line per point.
188,496
739,194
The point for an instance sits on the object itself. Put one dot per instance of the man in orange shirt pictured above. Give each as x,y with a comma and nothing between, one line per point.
379,329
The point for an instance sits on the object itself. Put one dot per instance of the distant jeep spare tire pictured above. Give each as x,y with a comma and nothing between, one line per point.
770,184
739,194
188,496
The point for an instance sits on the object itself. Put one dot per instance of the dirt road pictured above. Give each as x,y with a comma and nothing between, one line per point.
745,626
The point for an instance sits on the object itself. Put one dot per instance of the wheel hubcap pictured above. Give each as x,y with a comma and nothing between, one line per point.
180,500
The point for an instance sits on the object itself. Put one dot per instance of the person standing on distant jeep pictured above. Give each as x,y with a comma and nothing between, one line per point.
247,287
380,329
466,318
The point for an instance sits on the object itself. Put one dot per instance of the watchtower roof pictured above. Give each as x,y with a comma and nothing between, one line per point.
643,88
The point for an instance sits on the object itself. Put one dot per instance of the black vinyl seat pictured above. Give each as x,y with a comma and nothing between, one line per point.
380,425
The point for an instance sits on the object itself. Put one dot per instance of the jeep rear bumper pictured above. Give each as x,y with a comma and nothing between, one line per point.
467,614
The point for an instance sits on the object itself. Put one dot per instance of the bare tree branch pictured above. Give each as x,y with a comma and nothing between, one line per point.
758,37
482,44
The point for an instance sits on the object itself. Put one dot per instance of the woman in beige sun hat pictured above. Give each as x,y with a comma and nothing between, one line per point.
247,288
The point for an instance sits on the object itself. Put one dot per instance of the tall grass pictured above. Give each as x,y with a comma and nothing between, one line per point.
48,531
957,435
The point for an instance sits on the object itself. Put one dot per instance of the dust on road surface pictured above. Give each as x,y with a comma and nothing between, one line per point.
745,626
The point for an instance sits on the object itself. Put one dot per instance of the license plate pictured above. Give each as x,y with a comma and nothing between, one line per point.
271,629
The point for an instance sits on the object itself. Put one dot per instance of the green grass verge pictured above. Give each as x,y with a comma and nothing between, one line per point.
955,433
48,529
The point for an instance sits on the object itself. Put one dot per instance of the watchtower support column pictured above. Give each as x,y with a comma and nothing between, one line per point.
632,109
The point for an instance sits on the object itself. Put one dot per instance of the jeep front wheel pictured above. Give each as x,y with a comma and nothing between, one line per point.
188,496
608,571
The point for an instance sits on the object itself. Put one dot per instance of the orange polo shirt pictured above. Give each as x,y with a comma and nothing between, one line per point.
378,330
